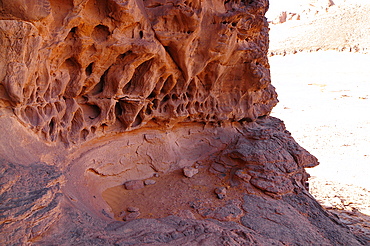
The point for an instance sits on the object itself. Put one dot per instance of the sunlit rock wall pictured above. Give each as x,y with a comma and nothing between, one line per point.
94,93
75,69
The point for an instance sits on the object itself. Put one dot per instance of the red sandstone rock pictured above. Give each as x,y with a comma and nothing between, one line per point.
134,184
131,216
97,92
149,182
105,72
133,209
190,171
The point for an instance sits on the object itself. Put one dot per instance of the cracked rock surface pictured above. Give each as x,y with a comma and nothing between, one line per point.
99,96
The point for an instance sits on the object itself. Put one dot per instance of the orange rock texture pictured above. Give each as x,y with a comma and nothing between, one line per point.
98,94
85,66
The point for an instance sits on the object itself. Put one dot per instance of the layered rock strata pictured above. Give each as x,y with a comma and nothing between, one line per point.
96,94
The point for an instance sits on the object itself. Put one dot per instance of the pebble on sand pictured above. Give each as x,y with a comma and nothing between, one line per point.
149,182
133,209
134,184
131,216
190,171
220,192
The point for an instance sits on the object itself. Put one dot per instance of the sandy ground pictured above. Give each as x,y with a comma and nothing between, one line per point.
325,103
173,194
324,99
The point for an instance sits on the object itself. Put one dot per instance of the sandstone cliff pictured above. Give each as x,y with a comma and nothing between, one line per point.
95,94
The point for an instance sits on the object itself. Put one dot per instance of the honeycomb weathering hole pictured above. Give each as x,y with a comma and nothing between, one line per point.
101,33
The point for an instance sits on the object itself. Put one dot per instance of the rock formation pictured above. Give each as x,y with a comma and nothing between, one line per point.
95,94
115,65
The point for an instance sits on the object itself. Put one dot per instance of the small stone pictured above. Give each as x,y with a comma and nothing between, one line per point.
219,168
220,196
131,216
241,173
190,171
156,175
133,209
134,184
149,182
220,190
186,214
347,203
122,214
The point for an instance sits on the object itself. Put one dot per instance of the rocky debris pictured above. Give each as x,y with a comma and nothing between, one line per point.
230,211
122,214
186,214
134,184
133,209
307,10
349,203
285,16
149,182
218,168
248,208
131,216
220,192
334,195
190,171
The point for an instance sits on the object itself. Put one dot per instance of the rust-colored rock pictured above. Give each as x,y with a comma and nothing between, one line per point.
90,67
94,94
134,184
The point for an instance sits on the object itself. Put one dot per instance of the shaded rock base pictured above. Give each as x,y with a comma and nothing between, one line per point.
249,190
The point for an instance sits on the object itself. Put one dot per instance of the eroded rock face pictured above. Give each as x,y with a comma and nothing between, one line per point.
90,66
97,94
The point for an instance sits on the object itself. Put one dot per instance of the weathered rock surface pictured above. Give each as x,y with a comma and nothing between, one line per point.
109,66
97,94
268,205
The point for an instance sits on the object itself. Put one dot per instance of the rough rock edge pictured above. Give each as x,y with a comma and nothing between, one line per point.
269,213
116,69
72,99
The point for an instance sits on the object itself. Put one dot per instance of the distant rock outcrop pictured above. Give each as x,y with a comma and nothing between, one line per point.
322,25
102,101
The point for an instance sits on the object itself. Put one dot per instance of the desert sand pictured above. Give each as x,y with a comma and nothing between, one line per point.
324,101
322,78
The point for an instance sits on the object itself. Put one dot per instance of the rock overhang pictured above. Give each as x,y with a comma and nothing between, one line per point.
116,90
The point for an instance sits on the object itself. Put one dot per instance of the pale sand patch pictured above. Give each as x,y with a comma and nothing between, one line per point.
325,104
